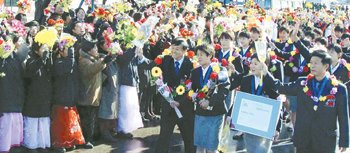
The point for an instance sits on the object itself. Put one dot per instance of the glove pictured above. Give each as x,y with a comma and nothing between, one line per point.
108,59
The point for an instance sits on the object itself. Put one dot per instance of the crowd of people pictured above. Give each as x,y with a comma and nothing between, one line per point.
72,76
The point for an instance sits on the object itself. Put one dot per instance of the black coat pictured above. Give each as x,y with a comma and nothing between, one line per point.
39,88
279,72
11,86
287,55
66,80
342,73
318,128
216,100
128,68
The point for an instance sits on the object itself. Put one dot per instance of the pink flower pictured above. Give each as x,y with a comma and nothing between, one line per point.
303,83
189,86
334,90
194,96
308,93
315,99
291,58
343,62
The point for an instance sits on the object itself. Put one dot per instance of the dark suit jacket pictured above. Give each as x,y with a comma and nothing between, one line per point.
237,62
303,50
173,80
318,128
279,72
342,73
216,100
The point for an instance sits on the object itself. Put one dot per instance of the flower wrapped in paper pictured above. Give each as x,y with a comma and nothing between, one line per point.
46,36
110,37
145,31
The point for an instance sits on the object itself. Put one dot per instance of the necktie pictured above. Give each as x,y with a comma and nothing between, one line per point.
177,68
317,87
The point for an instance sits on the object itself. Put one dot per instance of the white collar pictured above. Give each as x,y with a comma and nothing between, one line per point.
180,61
225,52
333,69
257,81
205,70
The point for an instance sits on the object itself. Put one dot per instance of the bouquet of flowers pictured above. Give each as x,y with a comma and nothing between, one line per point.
23,5
127,33
89,27
6,48
167,92
122,7
145,31
216,78
46,36
113,47
66,42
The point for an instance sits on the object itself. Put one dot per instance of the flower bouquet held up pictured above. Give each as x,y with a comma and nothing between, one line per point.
110,37
145,31
66,42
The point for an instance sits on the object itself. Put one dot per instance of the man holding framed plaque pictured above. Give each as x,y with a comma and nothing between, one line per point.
321,101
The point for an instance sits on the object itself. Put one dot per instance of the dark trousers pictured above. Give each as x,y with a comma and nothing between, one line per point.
310,150
146,96
167,124
88,115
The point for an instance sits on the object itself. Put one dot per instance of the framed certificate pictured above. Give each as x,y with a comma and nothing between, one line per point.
256,115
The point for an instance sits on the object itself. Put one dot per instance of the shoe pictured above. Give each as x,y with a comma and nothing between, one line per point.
144,119
88,145
32,151
107,136
155,118
60,150
125,136
71,148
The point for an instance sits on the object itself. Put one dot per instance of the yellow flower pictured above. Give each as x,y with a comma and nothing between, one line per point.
334,82
323,98
166,52
290,42
293,52
278,40
205,89
348,66
216,69
308,65
180,90
238,49
272,53
47,37
231,58
194,64
199,42
190,93
217,4
156,72
308,5
306,89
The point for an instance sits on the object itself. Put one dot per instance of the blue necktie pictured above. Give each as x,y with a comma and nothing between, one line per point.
317,87
177,68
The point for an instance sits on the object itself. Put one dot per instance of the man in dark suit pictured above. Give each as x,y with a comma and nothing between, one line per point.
40,5
316,124
176,68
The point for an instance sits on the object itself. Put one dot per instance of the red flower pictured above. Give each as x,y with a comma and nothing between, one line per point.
143,20
214,75
306,69
249,54
310,77
188,81
158,60
224,62
180,4
1,41
190,54
101,11
330,97
273,57
217,47
348,72
133,23
308,93
51,22
297,51
215,60
330,103
201,95
190,33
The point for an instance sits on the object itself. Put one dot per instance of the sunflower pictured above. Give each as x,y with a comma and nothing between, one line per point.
180,90
205,89
156,72
216,69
